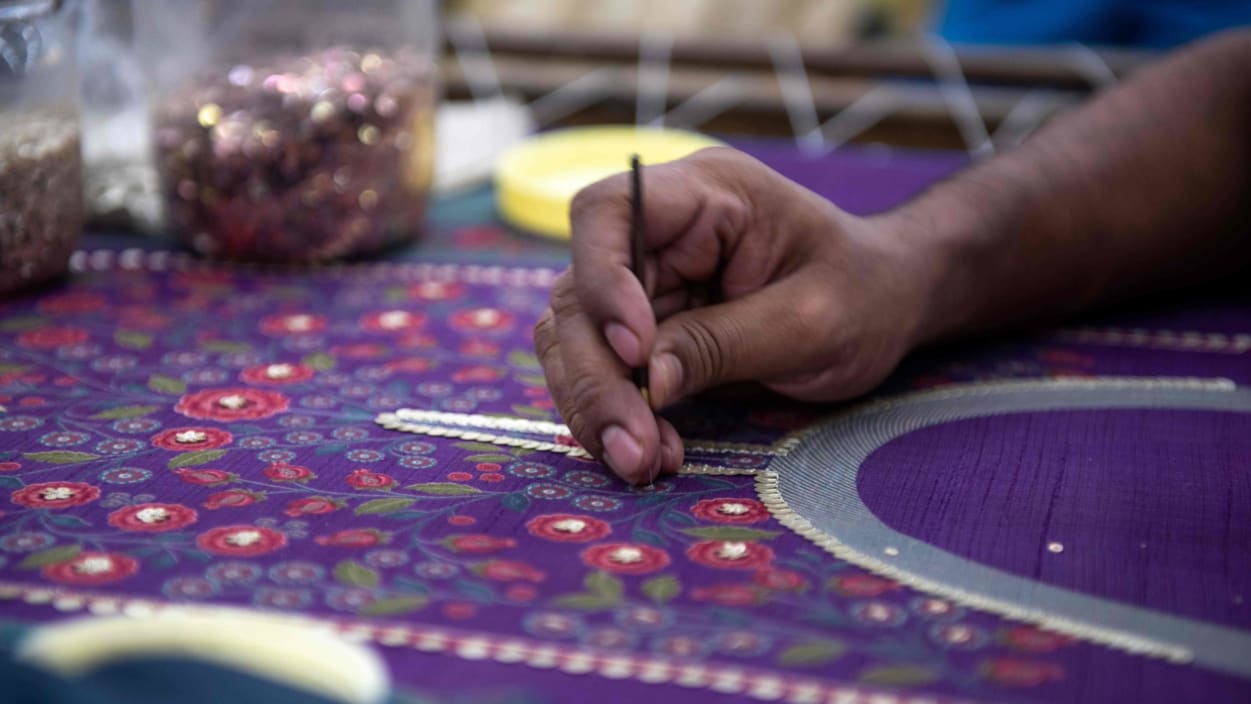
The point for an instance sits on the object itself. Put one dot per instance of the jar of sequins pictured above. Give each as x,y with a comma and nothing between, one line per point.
291,130
41,210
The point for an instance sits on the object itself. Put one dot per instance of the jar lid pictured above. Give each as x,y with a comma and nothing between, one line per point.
536,180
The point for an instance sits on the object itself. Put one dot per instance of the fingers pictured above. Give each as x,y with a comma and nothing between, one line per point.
593,391
682,204
773,332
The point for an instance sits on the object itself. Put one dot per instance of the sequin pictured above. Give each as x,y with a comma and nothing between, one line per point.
1055,547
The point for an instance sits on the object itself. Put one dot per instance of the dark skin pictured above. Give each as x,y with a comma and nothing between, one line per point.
1146,188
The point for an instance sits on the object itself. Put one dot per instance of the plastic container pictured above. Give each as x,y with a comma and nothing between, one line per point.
291,130
40,158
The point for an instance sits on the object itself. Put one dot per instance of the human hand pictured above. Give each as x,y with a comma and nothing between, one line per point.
809,300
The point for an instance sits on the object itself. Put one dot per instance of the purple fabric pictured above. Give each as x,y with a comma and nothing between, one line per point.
1152,507
94,375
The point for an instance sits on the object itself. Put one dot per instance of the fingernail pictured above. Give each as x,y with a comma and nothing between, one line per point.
621,451
666,375
624,342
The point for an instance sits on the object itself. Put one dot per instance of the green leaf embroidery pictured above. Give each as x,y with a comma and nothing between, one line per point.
531,411
605,585
489,458
10,368
381,506
133,339
28,322
320,361
354,573
224,346
523,359
167,384
479,447
662,589
51,556
61,457
444,489
191,459
586,602
817,652
122,412
734,533
395,605
532,379
902,675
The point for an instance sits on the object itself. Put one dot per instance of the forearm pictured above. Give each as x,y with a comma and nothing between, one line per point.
1147,187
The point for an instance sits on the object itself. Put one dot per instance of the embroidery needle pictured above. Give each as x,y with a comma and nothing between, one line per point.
636,264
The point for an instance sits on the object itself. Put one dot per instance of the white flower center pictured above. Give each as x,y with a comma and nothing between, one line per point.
877,612
187,437
244,538
94,565
732,551
279,371
569,525
394,319
626,555
959,634
57,493
485,317
234,402
734,509
937,606
300,323
152,514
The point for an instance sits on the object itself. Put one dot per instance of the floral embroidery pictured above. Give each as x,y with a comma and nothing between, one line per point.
365,479
731,511
52,338
311,505
564,527
232,404
277,374
92,568
735,555
233,498
625,558
152,518
283,472
55,495
207,477
354,538
191,439
241,541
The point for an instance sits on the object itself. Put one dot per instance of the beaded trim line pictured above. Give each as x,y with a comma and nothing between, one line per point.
759,684
459,425
1191,341
163,260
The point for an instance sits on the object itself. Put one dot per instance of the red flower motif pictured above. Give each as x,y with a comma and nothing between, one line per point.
731,511
360,350
477,542
461,520
232,404
481,319
241,540
411,364
142,317
415,340
311,505
862,585
459,476
491,477
478,348
435,291
354,538
10,466
293,324
49,338
152,518
730,554
206,477
459,610
568,528
188,439
730,594
509,571
283,472
1020,673
365,479
487,467
278,374
476,374
781,580
521,592
91,568
55,495
392,321
232,498
72,303
1033,640
625,558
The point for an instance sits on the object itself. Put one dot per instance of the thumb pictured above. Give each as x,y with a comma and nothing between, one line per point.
776,331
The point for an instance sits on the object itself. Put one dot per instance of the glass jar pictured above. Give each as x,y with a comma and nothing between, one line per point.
41,196
291,130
